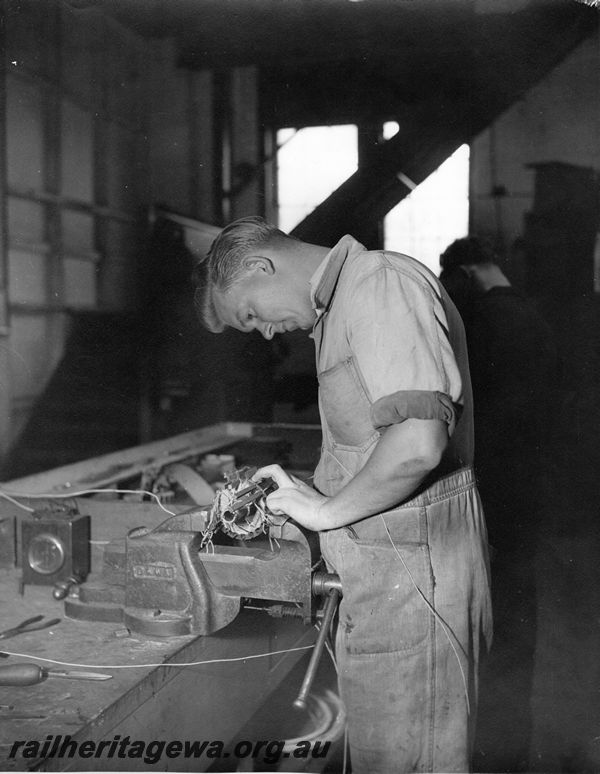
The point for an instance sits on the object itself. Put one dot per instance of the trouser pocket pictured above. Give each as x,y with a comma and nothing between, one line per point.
384,608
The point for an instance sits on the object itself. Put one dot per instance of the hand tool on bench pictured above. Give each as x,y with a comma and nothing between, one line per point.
28,673
28,625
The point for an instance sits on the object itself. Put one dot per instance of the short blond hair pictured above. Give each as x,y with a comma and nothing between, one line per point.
224,264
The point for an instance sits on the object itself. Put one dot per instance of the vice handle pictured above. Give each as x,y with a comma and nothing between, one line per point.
311,671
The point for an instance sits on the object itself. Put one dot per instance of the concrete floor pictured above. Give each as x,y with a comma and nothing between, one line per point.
566,688
277,719
557,717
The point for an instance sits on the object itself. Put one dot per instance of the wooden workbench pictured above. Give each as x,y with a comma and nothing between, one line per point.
208,702
211,702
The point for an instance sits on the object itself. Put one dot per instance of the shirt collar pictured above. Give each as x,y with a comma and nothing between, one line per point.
324,281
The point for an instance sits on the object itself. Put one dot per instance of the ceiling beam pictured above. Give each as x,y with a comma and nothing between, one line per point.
433,129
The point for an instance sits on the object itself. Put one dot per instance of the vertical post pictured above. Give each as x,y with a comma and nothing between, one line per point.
52,181
222,148
100,151
5,387
247,194
271,206
369,139
201,145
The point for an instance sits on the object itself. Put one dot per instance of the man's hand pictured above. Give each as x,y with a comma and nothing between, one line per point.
293,497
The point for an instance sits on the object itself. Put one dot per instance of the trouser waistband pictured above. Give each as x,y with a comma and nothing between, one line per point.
444,488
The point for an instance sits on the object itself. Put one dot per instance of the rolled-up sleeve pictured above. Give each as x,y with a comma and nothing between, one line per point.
398,334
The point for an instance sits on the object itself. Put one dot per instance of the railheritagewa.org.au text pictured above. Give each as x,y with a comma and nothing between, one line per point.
152,752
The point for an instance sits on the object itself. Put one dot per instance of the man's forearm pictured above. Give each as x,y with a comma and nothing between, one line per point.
401,460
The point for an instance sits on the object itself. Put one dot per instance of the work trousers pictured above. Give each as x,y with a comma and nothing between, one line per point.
415,608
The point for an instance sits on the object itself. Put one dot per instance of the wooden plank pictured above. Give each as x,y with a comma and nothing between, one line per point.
24,116
27,276
45,197
22,308
26,223
5,396
38,248
77,174
107,469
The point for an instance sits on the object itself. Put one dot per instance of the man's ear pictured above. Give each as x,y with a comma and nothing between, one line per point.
259,263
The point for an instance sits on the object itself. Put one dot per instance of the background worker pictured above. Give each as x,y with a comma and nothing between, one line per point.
513,366
394,498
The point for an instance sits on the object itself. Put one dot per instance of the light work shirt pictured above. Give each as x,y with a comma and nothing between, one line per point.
390,346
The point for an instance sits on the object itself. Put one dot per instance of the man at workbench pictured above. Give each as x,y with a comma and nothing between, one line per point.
394,497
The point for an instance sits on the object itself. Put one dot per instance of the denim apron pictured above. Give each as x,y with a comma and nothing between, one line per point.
408,676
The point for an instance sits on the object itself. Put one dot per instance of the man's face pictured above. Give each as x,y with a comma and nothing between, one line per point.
267,302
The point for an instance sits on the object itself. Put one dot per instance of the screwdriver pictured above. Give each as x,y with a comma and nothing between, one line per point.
31,674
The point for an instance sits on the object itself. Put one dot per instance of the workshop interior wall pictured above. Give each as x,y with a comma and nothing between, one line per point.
75,176
557,120
181,134
99,124
535,178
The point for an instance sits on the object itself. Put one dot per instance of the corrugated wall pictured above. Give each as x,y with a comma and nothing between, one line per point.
99,124
76,175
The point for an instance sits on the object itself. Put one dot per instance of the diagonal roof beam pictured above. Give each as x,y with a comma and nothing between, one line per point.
435,128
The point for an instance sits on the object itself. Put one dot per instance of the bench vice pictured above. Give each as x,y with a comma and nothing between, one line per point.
192,573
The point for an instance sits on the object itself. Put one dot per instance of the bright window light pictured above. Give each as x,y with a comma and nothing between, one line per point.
434,214
390,128
312,163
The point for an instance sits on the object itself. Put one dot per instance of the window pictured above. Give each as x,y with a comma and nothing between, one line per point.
312,163
434,214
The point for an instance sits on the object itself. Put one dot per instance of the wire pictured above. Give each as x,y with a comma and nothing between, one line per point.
332,656
65,495
162,664
345,759
15,502
446,628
